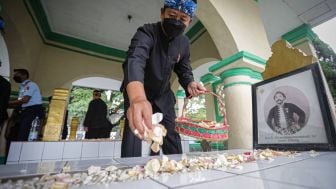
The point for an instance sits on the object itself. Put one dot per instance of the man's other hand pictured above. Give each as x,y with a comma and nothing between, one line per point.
195,88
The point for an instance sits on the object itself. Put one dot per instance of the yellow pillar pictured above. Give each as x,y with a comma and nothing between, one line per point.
53,128
301,38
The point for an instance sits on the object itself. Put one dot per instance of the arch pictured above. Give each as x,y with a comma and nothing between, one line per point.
94,81
98,82
220,18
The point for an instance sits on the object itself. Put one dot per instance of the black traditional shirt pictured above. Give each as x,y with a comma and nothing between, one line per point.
5,89
96,115
151,58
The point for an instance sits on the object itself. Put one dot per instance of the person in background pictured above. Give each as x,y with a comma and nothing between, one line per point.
29,103
95,123
5,89
156,50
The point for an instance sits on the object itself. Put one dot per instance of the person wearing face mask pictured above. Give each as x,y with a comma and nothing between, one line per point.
156,50
29,101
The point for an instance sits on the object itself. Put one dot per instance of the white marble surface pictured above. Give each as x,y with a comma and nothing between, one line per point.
72,150
242,182
14,152
184,179
85,164
304,171
142,160
34,152
266,164
145,184
53,151
30,169
317,172
90,150
106,149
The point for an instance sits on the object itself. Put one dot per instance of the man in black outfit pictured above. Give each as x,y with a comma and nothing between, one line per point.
5,89
157,50
96,124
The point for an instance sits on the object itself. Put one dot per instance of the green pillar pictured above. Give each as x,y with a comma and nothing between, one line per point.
238,72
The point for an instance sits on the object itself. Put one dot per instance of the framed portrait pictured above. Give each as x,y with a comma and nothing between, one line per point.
291,112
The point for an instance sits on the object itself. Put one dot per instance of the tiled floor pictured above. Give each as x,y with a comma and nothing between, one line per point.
299,172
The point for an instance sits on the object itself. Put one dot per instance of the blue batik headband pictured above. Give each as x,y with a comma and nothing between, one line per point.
186,6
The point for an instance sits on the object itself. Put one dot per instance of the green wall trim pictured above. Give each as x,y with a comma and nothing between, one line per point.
234,58
303,31
89,53
209,78
237,83
241,72
198,35
38,14
180,93
196,31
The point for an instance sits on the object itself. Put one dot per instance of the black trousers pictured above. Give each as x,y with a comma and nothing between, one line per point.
94,133
27,117
131,145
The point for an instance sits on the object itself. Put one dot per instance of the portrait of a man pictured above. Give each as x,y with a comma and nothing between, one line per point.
285,118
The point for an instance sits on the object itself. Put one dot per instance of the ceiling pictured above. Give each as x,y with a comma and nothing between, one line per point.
102,27
282,16
101,21
313,12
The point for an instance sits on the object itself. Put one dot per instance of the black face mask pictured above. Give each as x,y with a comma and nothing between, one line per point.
17,79
173,27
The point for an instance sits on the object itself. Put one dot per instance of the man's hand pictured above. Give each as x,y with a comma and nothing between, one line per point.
195,88
139,114
86,129
15,103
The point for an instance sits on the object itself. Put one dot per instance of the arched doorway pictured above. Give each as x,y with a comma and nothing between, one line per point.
81,95
98,82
